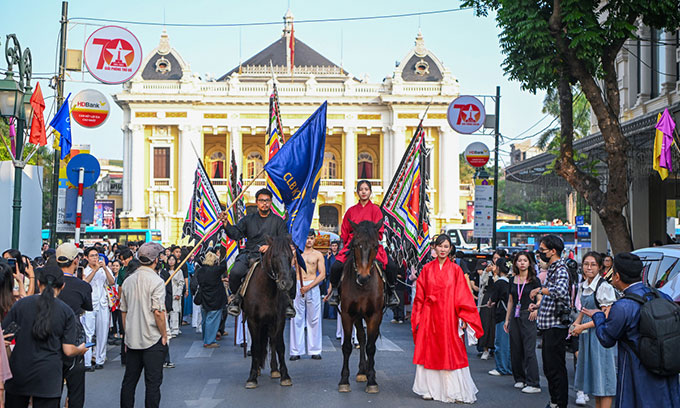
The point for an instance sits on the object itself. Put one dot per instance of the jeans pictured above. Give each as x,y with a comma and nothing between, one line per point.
210,324
151,361
555,366
502,355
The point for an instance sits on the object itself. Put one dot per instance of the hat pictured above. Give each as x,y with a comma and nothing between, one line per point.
148,252
628,264
67,252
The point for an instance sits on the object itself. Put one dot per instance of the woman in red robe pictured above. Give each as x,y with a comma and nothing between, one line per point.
443,299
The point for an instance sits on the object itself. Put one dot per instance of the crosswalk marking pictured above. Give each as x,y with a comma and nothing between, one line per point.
198,351
327,344
385,344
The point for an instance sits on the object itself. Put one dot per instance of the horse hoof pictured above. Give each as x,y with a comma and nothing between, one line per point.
250,385
287,382
361,378
372,389
344,388
276,374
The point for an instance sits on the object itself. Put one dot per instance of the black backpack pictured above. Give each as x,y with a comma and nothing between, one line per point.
659,333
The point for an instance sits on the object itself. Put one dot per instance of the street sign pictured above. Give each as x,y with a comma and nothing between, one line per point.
579,220
466,114
113,55
89,108
477,154
89,163
483,218
582,232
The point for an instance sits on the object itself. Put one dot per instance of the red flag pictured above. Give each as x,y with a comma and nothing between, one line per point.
291,45
38,135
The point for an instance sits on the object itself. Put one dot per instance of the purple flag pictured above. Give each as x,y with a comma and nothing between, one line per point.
12,136
666,126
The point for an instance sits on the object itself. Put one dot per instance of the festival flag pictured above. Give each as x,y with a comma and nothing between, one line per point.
236,187
656,158
666,126
201,220
291,45
38,135
231,246
61,123
296,172
405,205
274,142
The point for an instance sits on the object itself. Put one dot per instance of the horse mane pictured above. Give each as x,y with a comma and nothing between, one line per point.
278,245
365,231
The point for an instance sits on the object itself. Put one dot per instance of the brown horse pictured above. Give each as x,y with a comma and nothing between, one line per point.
264,307
361,299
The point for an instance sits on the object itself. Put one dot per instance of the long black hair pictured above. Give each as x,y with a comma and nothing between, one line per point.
16,254
52,278
6,288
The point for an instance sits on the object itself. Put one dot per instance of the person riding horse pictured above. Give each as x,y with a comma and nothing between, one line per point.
365,210
255,227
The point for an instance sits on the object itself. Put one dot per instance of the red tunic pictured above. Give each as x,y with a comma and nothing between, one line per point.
356,214
442,297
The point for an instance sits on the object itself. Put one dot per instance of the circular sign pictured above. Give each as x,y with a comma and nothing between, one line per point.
113,55
87,162
89,108
477,154
466,114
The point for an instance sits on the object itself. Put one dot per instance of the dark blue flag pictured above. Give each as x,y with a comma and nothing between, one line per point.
61,123
296,172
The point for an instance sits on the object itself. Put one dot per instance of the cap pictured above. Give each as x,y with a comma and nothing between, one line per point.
67,252
148,252
626,263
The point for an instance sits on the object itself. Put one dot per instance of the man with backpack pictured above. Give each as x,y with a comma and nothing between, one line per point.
646,325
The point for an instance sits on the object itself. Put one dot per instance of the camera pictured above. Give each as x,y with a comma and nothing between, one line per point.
563,313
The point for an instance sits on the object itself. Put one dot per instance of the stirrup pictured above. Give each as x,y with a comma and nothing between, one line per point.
334,300
234,307
392,297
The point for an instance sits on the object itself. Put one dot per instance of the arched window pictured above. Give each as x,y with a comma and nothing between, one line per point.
254,163
328,218
365,170
330,166
217,164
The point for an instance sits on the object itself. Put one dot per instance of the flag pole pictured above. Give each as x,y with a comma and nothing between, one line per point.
198,245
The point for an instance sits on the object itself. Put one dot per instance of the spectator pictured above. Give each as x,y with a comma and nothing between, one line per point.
116,317
498,304
77,294
142,303
177,291
210,277
24,276
608,270
486,282
47,328
635,385
328,311
596,365
96,322
164,273
125,257
553,319
520,323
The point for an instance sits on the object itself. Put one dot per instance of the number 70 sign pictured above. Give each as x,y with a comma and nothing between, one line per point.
113,55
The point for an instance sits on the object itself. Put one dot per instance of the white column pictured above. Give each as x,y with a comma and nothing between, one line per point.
398,146
237,145
137,171
388,158
448,174
127,173
645,64
189,134
668,80
349,162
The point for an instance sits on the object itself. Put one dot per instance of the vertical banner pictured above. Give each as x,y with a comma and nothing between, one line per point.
64,184
483,208
105,214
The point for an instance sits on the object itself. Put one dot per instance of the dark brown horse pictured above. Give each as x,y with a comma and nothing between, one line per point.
361,299
264,307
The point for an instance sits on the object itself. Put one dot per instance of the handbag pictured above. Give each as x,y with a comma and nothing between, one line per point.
198,297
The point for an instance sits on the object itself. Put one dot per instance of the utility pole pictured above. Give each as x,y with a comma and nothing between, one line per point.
60,100
495,168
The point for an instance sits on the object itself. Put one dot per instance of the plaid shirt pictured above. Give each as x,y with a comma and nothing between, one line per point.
557,283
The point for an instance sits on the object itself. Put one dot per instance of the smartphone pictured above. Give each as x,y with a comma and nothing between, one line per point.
12,329
12,262
88,345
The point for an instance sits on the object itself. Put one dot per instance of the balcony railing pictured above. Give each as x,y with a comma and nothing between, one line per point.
161,182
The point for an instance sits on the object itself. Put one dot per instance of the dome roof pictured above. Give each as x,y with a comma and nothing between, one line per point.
163,63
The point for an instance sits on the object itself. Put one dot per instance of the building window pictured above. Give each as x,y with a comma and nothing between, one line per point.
328,218
658,62
254,164
217,164
161,162
365,170
330,166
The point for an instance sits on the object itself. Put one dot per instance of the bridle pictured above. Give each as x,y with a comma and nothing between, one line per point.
269,271
354,264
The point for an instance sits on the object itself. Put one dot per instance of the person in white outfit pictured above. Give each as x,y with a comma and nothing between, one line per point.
308,303
96,322
177,296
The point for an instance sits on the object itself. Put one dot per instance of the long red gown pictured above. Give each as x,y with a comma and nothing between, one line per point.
356,214
442,298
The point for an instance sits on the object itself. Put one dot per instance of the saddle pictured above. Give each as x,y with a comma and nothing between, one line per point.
244,286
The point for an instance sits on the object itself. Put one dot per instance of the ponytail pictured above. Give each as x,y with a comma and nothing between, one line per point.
51,278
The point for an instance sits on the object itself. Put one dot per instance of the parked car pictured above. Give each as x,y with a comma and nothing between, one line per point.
662,269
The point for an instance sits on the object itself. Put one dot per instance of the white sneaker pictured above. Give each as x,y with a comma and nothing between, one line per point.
531,390
519,385
580,398
494,372
485,355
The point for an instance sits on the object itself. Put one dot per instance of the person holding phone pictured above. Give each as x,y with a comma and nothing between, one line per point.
46,330
96,322
24,276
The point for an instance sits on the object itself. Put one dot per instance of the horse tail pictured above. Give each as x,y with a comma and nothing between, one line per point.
264,341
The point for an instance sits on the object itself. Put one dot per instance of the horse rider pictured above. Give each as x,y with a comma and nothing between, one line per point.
255,227
365,210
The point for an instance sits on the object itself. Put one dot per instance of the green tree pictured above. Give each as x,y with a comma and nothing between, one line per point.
550,139
559,43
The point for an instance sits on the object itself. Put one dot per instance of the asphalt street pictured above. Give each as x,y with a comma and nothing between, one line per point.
207,378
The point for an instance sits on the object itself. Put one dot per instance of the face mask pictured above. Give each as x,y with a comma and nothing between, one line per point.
544,257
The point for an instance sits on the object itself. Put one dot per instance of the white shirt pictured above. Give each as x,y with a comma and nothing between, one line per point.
100,296
606,295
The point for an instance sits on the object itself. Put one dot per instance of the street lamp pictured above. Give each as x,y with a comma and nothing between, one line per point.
15,97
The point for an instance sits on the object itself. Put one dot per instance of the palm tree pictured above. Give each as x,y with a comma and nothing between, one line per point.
549,140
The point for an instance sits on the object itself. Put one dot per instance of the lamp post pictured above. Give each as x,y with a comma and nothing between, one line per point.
15,96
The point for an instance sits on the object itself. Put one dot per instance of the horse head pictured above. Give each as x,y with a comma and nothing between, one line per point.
277,261
364,248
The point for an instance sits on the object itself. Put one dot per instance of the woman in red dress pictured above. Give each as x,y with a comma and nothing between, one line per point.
443,308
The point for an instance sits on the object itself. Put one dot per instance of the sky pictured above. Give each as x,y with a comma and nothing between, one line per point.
466,44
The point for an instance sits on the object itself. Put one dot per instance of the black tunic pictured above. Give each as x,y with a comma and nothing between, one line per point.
255,229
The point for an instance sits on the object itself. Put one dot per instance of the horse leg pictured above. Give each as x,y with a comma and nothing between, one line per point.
281,351
255,353
346,352
373,328
273,362
361,336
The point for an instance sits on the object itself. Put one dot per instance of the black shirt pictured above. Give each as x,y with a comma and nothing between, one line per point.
256,229
213,293
165,275
474,277
528,287
37,365
77,294
499,295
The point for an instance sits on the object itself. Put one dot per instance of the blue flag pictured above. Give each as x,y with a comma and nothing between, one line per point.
61,123
296,172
